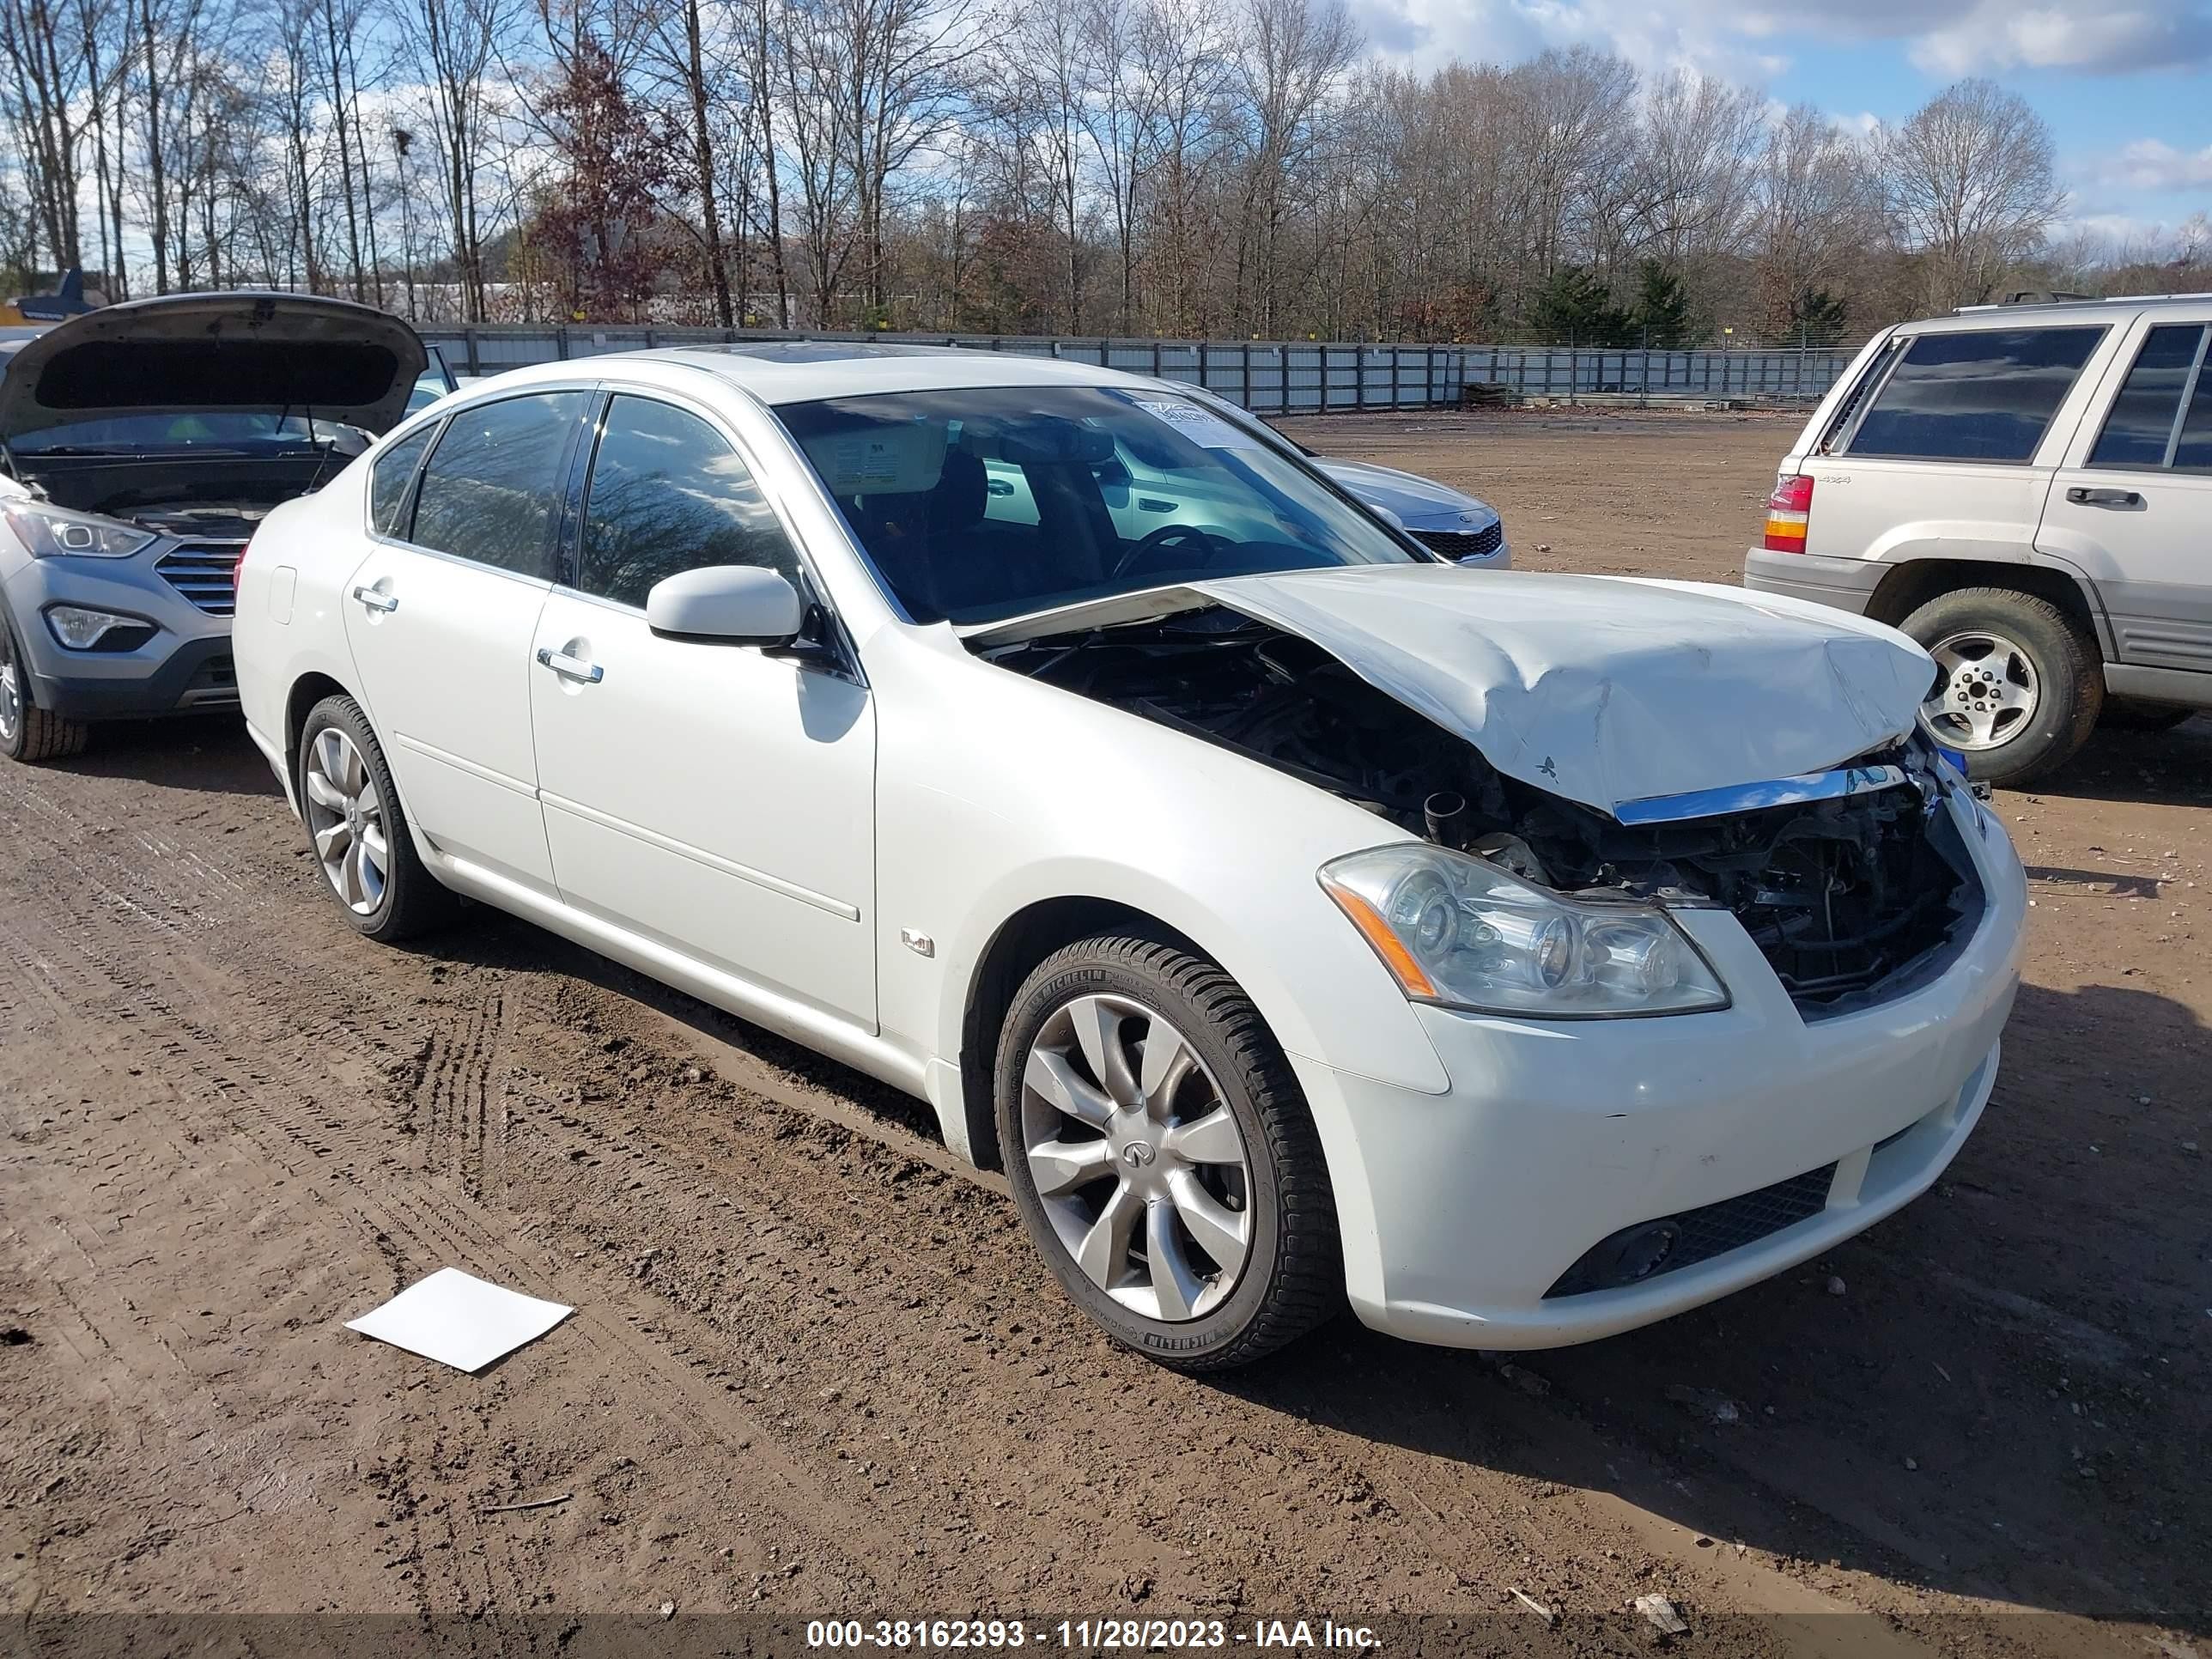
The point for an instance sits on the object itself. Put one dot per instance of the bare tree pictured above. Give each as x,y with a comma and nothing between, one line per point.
1295,55
1810,218
339,21
1039,91
1181,51
700,79
1970,188
763,54
47,84
453,45
1689,179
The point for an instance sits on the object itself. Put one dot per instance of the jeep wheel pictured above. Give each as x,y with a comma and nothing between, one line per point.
2020,688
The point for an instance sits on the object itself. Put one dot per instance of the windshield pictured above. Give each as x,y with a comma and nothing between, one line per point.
250,432
980,504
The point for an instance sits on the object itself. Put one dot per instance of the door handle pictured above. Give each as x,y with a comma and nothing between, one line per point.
2084,497
569,667
375,600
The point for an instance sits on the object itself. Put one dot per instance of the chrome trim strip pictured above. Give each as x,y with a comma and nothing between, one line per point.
1749,797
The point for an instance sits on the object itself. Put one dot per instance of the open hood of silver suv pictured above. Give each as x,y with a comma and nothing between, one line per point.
187,354
1604,689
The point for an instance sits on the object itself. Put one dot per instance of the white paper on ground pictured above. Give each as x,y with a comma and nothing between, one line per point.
458,1320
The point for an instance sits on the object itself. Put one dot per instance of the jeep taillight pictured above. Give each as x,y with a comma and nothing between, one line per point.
1789,509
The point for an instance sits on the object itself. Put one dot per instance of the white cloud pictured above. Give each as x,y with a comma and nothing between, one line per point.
2100,38
2151,164
2111,227
1738,39
1723,41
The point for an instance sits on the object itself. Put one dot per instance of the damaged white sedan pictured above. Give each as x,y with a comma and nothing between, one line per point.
1296,918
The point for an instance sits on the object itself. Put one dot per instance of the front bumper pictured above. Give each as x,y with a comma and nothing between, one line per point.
184,668
1460,1211
1845,584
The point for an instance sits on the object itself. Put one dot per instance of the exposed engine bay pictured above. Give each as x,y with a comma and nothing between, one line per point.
1850,899
217,497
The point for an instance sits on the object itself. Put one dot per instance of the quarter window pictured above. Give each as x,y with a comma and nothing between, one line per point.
393,473
2141,424
669,495
1975,395
491,492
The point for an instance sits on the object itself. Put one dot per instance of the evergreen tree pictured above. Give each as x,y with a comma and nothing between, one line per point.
1573,308
1819,317
1662,316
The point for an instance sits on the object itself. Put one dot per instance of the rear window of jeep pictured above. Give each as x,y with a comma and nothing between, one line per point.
1977,395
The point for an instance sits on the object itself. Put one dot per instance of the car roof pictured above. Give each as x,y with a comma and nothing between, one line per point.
789,371
2052,313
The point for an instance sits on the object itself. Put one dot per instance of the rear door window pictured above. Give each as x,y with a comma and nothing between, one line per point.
2141,428
392,475
1975,395
491,492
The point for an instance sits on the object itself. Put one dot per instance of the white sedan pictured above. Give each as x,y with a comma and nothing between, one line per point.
1296,918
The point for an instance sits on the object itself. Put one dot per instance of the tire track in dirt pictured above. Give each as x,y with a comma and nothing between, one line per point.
254,1091
857,1346
453,1088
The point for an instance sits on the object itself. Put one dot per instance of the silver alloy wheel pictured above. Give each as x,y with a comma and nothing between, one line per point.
11,689
1988,693
1137,1158
345,816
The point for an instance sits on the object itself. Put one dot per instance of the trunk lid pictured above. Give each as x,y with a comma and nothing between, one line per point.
188,354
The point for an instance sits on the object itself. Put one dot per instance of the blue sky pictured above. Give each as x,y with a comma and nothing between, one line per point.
2126,85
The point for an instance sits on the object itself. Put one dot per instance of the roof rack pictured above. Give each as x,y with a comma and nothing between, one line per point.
2032,299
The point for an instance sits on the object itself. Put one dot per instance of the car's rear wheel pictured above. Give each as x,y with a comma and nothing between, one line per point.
29,732
2020,687
1161,1154
357,829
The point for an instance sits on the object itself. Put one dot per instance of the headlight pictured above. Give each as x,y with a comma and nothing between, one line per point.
80,629
1461,931
54,532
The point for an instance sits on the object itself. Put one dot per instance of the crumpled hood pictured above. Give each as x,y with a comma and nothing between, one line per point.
187,353
1605,689
1420,503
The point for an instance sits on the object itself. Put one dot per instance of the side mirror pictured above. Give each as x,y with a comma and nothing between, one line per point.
736,604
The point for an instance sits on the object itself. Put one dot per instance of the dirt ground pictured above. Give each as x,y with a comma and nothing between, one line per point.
814,1367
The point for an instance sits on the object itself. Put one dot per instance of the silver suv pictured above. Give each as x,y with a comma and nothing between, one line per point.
141,445
2027,490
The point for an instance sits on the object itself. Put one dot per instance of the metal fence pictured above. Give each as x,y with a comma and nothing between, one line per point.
1268,378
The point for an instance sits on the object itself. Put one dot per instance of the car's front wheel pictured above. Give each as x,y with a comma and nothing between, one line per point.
358,829
1162,1157
29,732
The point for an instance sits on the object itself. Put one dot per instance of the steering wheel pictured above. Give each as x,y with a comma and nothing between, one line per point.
1167,537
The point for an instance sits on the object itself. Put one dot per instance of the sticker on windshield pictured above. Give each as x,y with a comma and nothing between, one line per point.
1199,426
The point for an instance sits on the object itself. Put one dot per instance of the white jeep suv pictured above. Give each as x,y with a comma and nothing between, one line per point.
2027,490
